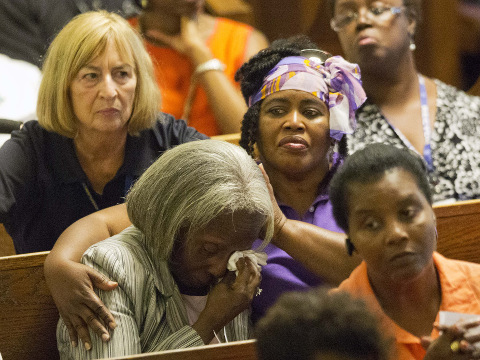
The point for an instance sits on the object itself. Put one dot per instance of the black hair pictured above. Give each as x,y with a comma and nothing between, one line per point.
369,165
251,76
302,325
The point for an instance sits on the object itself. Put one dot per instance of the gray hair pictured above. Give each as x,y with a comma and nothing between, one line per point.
191,185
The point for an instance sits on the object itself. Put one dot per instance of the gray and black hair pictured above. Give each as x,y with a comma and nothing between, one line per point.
191,185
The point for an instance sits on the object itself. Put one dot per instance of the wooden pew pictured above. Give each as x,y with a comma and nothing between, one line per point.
6,243
28,316
237,350
458,228
231,138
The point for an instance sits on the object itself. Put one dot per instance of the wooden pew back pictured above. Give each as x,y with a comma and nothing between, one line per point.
458,228
28,316
237,350
233,138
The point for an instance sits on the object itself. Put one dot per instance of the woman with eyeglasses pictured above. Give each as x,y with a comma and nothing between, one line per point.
405,108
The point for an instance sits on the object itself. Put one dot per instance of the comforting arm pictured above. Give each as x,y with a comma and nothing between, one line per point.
321,251
71,283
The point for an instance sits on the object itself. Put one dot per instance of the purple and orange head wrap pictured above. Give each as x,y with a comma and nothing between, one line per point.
335,81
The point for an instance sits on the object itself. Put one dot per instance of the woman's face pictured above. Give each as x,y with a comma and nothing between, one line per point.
103,92
392,226
372,37
294,132
202,261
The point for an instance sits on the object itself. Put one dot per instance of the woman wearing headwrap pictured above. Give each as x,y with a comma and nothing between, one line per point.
300,106
301,103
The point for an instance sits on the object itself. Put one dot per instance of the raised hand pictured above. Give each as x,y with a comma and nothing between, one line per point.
228,298
459,341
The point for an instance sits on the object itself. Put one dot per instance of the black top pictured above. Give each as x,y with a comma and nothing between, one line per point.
43,188
27,27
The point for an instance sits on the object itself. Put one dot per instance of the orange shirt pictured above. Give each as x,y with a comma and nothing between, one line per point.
460,283
173,71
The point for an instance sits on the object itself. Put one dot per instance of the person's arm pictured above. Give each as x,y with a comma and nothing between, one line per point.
71,283
18,172
224,98
227,299
321,251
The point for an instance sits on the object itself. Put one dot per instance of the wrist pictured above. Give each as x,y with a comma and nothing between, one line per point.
209,65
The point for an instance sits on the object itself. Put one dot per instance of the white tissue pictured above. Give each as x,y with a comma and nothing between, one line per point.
258,259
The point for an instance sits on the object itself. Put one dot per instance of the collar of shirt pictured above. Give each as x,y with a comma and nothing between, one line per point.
67,168
322,195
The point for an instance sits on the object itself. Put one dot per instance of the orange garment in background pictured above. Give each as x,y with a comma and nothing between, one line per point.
173,70
460,284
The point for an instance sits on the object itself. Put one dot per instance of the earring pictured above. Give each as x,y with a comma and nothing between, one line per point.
412,46
350,246
144,3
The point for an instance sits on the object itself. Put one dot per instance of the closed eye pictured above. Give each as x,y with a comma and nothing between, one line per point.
210,248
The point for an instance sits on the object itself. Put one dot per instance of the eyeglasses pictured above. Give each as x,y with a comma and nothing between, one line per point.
377,13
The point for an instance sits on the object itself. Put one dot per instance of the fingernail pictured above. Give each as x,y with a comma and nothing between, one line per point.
112,325
88,346
105,337
74,343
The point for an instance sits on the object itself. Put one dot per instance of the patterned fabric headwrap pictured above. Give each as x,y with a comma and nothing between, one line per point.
335,81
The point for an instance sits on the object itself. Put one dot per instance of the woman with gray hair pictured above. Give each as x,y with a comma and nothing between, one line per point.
195,206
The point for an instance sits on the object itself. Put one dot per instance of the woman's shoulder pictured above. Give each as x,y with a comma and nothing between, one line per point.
171,131
125,259
450,95
120,253
129,240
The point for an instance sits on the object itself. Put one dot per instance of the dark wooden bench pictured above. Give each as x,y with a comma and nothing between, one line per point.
238,350
28,316
458,228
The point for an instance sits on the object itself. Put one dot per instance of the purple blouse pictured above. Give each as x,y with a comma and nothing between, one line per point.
282,273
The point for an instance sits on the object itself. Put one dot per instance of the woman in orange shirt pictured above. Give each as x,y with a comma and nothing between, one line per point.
381,198
196,56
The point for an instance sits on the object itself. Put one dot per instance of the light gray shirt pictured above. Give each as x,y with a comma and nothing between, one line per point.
147,304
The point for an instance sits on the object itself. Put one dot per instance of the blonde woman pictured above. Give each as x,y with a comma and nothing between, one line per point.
98,129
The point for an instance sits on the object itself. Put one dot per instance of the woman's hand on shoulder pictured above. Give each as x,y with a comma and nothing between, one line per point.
71,285
459,341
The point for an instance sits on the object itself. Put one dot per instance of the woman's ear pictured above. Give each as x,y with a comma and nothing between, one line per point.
412,24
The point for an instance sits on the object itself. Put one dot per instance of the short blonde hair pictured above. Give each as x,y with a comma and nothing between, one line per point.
85,37
191,185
